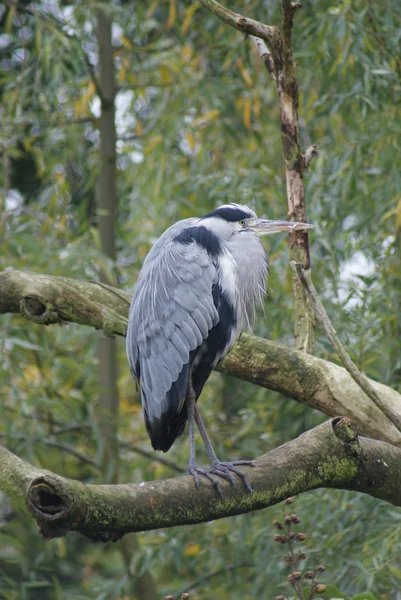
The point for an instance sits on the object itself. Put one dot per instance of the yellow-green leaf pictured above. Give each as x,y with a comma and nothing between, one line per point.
126,42
172,13
211,115
189,13
192,550
246,115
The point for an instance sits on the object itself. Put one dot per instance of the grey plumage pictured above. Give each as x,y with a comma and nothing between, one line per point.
197,289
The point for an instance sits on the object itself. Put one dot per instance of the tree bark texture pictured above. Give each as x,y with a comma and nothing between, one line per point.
106,215
331,455
315,382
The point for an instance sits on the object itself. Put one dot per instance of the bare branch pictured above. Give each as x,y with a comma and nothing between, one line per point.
64,447
264,54
288,9
331,455
151,455
271,35
351,367
310,154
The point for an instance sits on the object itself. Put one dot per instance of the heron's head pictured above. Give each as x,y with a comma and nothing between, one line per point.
232,219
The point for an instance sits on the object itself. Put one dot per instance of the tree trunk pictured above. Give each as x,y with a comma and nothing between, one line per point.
144,585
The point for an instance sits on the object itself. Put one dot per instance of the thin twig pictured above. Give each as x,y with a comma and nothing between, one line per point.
310,154
348,363
47,19
120,293
152,456
152,123
64,447
209,576
264,54
92,74
71,428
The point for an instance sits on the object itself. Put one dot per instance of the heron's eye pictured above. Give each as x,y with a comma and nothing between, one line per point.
242,223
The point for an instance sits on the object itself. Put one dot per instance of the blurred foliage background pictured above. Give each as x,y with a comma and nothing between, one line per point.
197,125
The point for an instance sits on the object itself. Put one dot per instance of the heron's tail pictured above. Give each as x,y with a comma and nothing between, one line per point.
165,421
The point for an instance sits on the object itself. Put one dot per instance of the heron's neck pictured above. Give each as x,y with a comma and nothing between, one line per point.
220,227
252,268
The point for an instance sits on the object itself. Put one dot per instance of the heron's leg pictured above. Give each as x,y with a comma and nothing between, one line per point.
193,469
191,422
219,467
191,431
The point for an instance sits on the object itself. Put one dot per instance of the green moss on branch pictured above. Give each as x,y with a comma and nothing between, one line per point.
323,457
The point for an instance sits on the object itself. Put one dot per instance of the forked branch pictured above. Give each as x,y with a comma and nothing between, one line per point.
271,35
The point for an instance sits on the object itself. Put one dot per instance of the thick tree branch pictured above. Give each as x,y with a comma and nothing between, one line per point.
331,455
46,300
313,381
106,201
287,10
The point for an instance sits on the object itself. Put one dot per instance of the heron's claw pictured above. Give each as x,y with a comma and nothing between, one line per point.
223,470
225,467
196,471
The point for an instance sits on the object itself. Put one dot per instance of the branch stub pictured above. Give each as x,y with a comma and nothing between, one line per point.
345,429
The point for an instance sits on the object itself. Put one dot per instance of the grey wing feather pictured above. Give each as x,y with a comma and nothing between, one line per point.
171,313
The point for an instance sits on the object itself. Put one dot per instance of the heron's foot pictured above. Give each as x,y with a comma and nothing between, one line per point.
220,467
210,475
223,470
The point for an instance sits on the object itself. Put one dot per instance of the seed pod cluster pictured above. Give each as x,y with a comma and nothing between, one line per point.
296,578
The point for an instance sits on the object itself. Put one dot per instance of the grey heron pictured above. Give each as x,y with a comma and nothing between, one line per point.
197,289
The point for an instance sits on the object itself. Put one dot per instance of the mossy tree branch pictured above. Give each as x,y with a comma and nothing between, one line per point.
331,455
318,383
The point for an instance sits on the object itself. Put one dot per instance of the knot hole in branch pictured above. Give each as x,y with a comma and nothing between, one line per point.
45,499
38,311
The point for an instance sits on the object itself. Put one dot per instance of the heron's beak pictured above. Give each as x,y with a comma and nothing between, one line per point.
265,227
